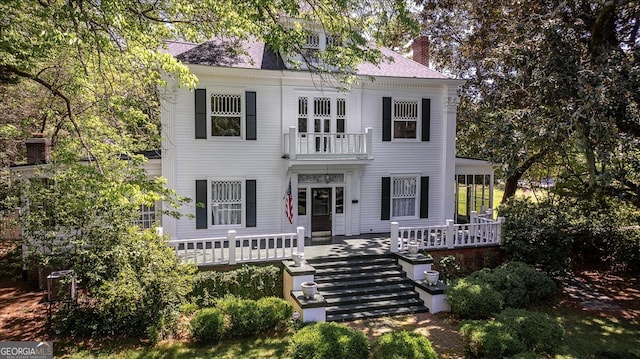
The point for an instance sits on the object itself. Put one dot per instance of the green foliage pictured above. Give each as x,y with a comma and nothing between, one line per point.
538,331
275,313
537,234
403,345
328,340
141,298
208,326
248,281
490,339
514,331
520,284
528,355
244,315
473,299
449,268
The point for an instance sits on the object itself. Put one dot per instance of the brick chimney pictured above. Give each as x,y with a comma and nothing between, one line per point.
421,50
38,149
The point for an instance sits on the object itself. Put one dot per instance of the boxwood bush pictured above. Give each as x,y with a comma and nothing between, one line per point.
328,340
490,339
538,331
208,326
403,345
248,281
520,284
470,298
515,331
275,313
244,315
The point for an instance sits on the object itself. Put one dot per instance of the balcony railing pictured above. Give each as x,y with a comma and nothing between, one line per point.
302,146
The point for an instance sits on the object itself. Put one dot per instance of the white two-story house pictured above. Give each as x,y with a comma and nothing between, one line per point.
263,147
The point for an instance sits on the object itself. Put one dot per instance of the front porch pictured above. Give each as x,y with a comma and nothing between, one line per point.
233,249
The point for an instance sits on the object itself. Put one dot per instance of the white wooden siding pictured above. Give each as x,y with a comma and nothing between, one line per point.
261,160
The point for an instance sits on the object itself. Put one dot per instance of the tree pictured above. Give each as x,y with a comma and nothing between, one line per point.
549,84
91,73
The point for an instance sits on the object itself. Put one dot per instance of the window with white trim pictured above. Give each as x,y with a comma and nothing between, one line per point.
404,195
226,115
147,217
226,202
313,41
303,114
405,118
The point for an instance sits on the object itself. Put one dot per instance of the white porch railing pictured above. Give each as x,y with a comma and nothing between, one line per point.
328,145
478,233
234,249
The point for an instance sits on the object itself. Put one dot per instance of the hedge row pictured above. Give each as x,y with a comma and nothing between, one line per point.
238,317
249,281
335,341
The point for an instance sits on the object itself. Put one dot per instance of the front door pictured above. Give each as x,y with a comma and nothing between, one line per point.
321,212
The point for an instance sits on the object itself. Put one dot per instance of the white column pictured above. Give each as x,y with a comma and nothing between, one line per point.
292,142
231,236
168,162
450,233
449,150
369,142
394,237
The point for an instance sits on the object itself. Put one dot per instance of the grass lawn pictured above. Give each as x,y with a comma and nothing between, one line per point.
590,335
271,347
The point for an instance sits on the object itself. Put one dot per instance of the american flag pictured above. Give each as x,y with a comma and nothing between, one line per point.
288,204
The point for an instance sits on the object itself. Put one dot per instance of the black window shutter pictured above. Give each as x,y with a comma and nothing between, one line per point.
386,118
251,115
201,204
426,119
250,189
201,113
385,212
424,197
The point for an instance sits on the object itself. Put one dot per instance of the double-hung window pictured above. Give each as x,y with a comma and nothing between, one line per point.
226,115
405,118
226,202
147,217
404,195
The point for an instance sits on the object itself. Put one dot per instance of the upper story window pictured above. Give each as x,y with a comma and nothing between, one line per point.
226,115
226,202
333,40
404,194
405,118
313,41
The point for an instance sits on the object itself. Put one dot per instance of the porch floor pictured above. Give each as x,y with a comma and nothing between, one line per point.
347,246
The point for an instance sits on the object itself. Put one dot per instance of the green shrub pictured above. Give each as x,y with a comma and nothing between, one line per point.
141,297
490,339
538,331
520,284
540,288
403,345
244,315
537,234
208,326
473,299
275,313
249,281
328,340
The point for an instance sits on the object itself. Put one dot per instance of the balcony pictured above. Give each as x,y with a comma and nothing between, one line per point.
345,147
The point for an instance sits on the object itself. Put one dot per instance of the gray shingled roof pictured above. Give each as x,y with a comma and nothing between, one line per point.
259,56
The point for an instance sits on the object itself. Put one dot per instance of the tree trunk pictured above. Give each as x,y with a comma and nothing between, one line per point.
511,183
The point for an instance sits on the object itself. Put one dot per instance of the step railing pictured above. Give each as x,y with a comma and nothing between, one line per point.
482,232
234,249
